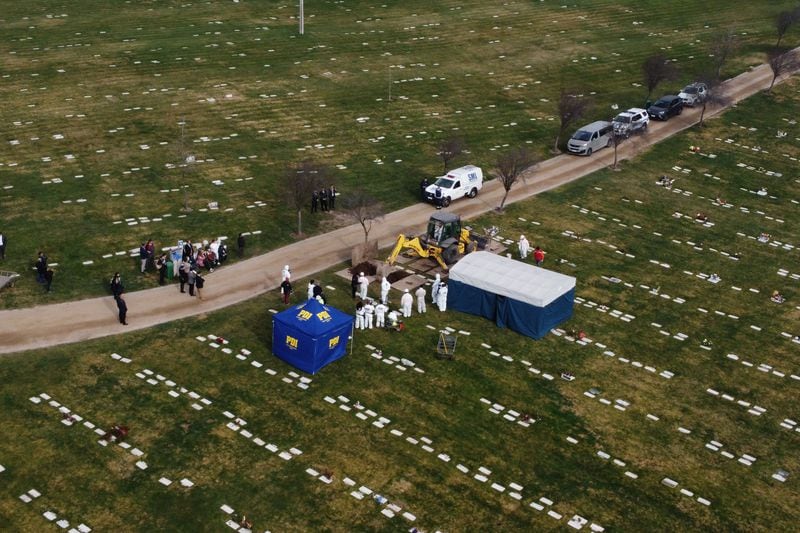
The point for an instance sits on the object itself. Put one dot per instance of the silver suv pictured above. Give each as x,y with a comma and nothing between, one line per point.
694,94
634,120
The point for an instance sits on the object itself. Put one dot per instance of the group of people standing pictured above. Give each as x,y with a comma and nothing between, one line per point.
314,290
369,311
324,198
438,195
193,261
44,274
525,248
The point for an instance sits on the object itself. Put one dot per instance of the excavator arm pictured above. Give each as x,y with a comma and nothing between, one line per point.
415,245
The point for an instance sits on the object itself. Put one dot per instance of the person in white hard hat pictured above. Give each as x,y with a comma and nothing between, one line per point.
420,294
524,247
405,302
363,283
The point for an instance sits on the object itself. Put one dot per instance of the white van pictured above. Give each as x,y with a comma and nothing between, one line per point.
459,182
591,138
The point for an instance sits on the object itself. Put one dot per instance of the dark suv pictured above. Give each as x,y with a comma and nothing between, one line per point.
666,107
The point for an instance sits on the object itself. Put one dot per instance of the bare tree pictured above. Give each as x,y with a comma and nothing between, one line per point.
364,209
781,61
656,69
723,46
510,166
450,148
715,97
571,108
783,22
299,183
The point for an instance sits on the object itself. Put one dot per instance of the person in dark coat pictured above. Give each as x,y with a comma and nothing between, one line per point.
143,257
122,307
183,274
323,199
438,198
240,244
41,267
187,250
354,283
200,282
151,253
332,197
192,278
314,201
116,285
422,186
48,279
286,290
161,264
3,243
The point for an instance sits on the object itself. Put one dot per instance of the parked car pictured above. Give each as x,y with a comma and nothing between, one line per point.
666,107
461,182
634,120
694,94
591,137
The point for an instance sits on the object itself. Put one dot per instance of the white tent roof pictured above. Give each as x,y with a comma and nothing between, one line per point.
511,278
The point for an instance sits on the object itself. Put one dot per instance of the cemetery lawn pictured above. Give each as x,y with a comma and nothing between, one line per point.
105,100
674,409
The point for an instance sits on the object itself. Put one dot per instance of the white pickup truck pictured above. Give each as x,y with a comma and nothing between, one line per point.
459,182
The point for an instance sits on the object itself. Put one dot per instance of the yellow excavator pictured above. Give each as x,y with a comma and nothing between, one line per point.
445,241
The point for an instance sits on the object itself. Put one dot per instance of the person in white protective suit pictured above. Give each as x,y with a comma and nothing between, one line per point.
385,286
359,315
369,313
363,283
406,302
435,290
442,297
420,294
380,314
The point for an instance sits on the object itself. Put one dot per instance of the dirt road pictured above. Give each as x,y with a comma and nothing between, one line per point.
42,326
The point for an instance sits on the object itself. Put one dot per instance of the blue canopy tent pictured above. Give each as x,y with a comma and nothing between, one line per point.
527,299
310,335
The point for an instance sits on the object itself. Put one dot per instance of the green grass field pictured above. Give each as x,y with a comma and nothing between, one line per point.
587,228
96,94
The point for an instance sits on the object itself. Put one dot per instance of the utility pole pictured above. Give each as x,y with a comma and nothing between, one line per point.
302,20
186,160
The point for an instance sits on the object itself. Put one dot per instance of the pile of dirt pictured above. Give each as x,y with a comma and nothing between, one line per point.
366,267
397,275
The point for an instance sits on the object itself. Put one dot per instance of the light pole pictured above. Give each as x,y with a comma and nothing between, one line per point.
302,20
185,165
